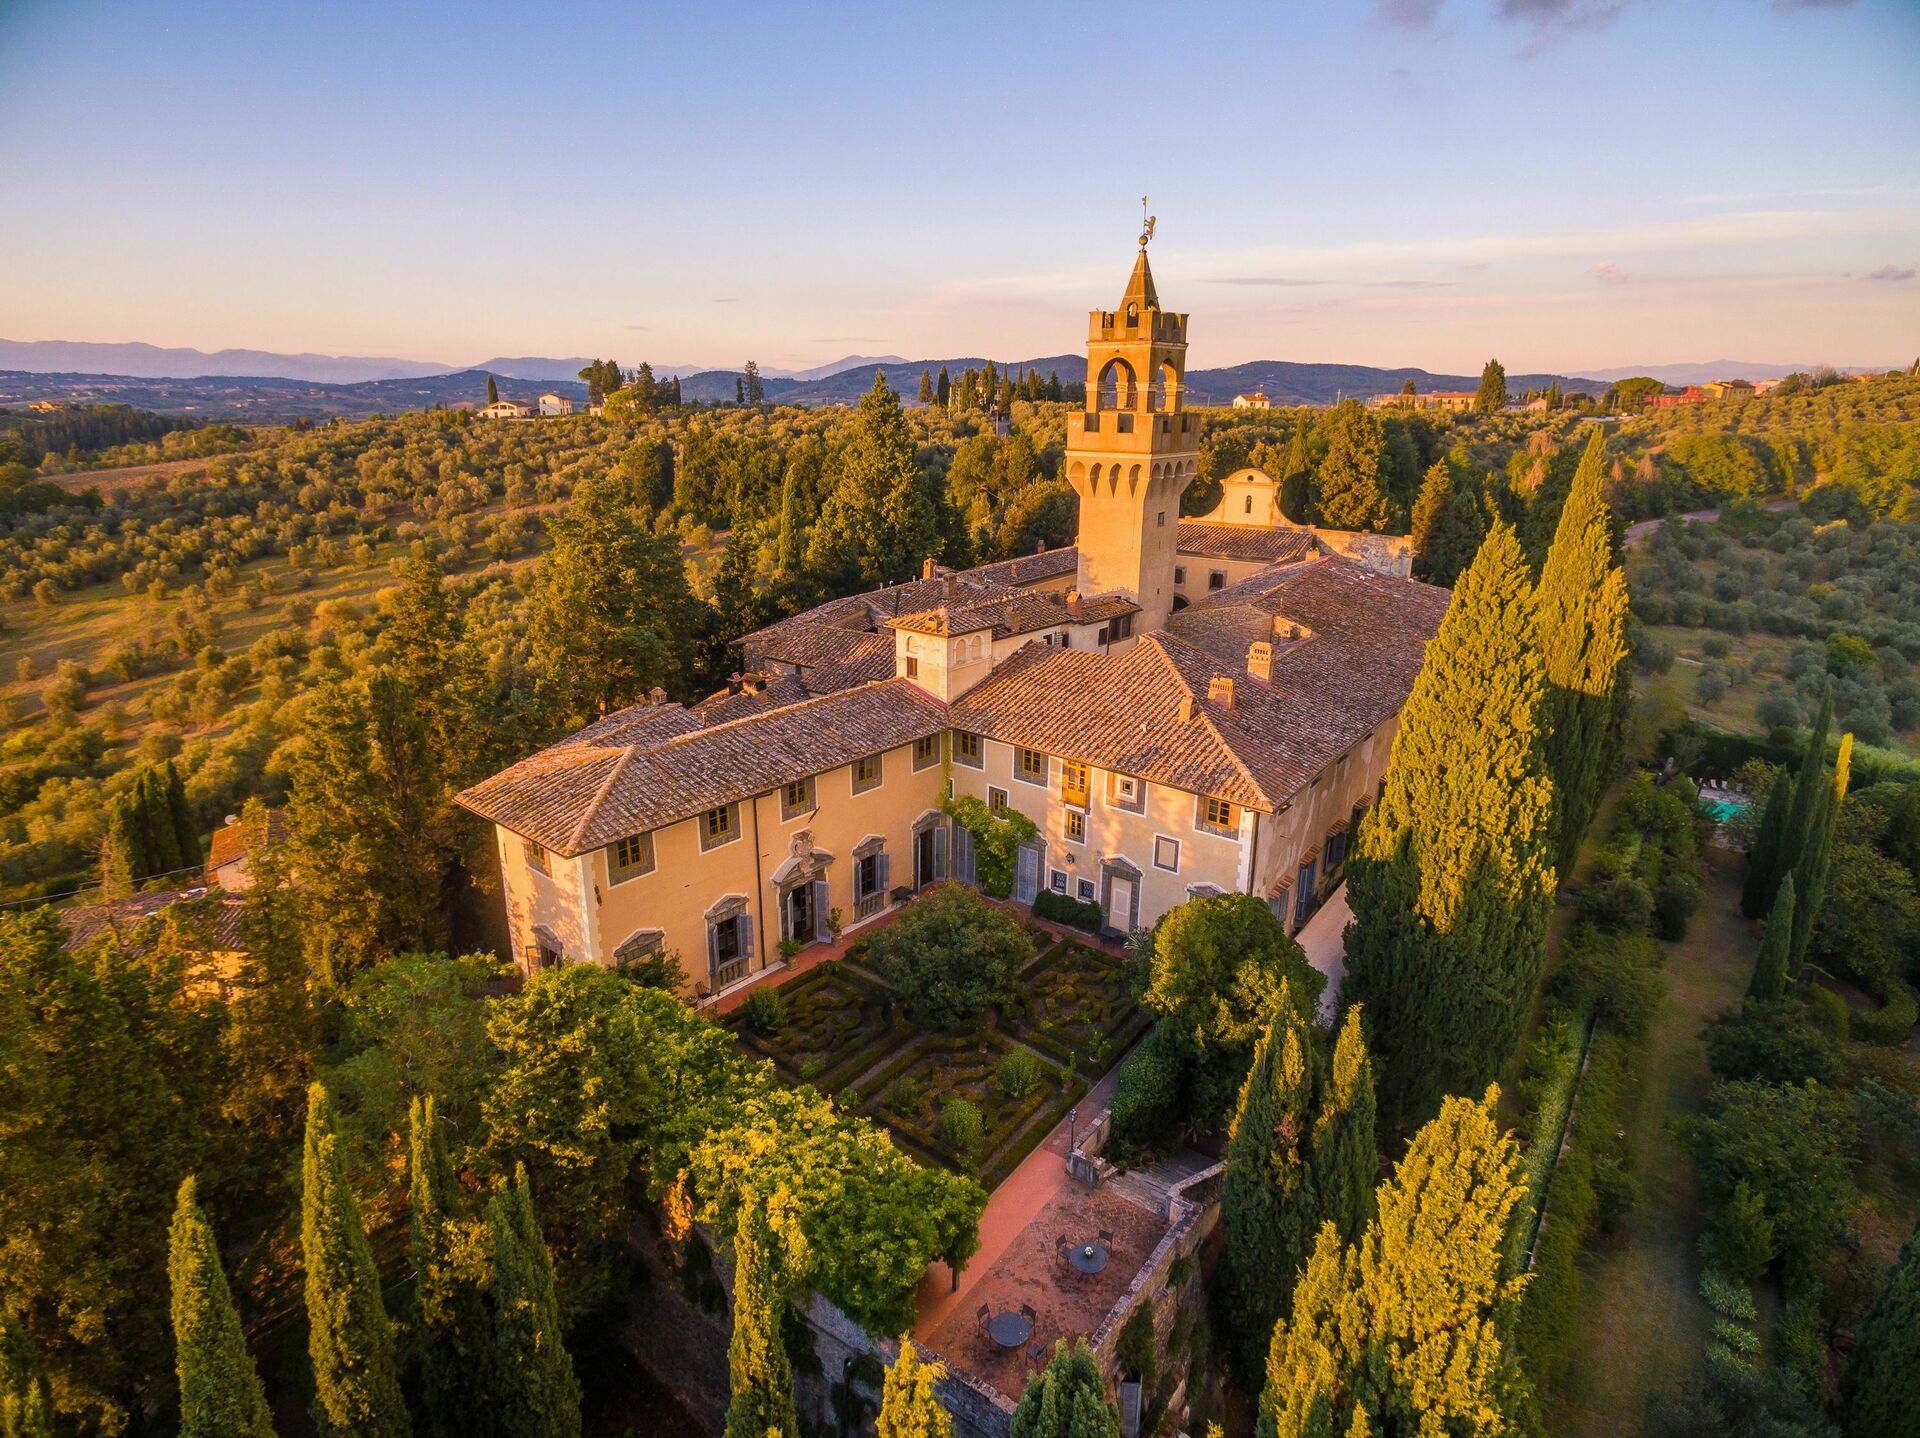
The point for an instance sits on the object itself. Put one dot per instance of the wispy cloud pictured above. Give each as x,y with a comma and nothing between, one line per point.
1608,273
1786,6
1290,281
1413,284
1893,272
729,300
1409,14
638,327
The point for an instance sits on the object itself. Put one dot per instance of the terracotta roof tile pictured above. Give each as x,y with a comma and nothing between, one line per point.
578,796
87,922
1242,541
239,839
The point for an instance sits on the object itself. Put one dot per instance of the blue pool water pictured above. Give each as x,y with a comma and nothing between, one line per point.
1721,810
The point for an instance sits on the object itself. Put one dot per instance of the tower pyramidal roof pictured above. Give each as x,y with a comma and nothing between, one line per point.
1140,289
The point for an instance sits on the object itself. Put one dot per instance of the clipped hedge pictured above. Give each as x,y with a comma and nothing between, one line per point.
1892,1021
1064,910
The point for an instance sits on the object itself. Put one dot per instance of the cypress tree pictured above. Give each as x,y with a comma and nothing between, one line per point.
356,1388
156,817
1816,857
909,1407
1770,969
538,1396
1763,858
1345,1155
1452,878
25,1410
1879,1392
1583,639
790,553
1066,1399
123,853
1267,1200
760,1378
1413,1318
1808,787
926,387
943,388
220,1393
185,830
453,1337
493,390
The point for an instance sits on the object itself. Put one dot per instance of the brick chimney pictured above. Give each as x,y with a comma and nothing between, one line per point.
1186,708
1073,603
1220,691
928,567
1260,661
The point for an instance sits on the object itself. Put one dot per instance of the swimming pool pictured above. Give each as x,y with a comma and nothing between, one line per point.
1721,810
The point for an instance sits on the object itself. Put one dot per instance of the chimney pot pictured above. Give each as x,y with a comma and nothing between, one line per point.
1220,691
656,695
1073,602
927,568
1260,661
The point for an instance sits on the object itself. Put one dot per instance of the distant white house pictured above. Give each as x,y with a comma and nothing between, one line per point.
506,409
1256,400
551,403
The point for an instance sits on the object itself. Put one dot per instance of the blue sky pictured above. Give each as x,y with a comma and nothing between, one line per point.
1561,183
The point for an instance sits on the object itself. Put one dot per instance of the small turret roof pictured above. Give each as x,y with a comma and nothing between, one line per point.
1140,288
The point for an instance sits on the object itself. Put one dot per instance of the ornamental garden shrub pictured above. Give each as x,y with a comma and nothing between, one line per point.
950,954
765,1011
959,1127
1063,910
1017,1074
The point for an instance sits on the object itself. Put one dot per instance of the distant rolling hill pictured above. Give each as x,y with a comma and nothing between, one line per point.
264,399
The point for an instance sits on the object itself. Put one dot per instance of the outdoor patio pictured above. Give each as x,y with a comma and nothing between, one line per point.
1029,1272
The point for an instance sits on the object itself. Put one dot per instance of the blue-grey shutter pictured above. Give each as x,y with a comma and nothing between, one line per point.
886,871
713,948
940,853
747,951
820,905
963,854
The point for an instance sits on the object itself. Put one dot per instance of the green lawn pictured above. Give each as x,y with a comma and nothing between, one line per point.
1643,1328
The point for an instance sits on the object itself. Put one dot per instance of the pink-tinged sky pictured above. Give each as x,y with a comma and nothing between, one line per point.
1567,184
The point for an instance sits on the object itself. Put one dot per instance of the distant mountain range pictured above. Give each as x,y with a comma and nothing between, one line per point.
1709,370
264,399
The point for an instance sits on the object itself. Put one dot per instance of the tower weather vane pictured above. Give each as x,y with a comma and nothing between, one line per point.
1147,223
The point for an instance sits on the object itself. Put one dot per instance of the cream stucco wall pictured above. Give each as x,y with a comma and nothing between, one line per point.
593,916
1303,824
1204,857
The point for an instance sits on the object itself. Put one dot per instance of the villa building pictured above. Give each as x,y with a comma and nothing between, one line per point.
1182,707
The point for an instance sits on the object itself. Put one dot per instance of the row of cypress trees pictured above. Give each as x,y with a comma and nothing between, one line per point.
150,830
1505,744
1791,855
1301,1153
491,1355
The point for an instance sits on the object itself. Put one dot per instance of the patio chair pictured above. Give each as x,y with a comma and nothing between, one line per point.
1106,1237
982,1317
1026,1312
1061,1248
1037,1351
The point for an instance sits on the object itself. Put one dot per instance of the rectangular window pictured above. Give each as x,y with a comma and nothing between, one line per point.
717,827
536,856
630,857
1030,766
1216,579
966,749
997,800
796,797
1217,814
1086,891
1179,574
1122,627
1336,845
866,773
1160,520
913,667
1076,826
1166,853
1059,881
1073,783
926,750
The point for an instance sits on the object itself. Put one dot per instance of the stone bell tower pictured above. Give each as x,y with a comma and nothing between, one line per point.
1134,449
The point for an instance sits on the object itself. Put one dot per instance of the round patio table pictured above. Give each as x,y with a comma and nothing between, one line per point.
1088,1257
1010,1330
